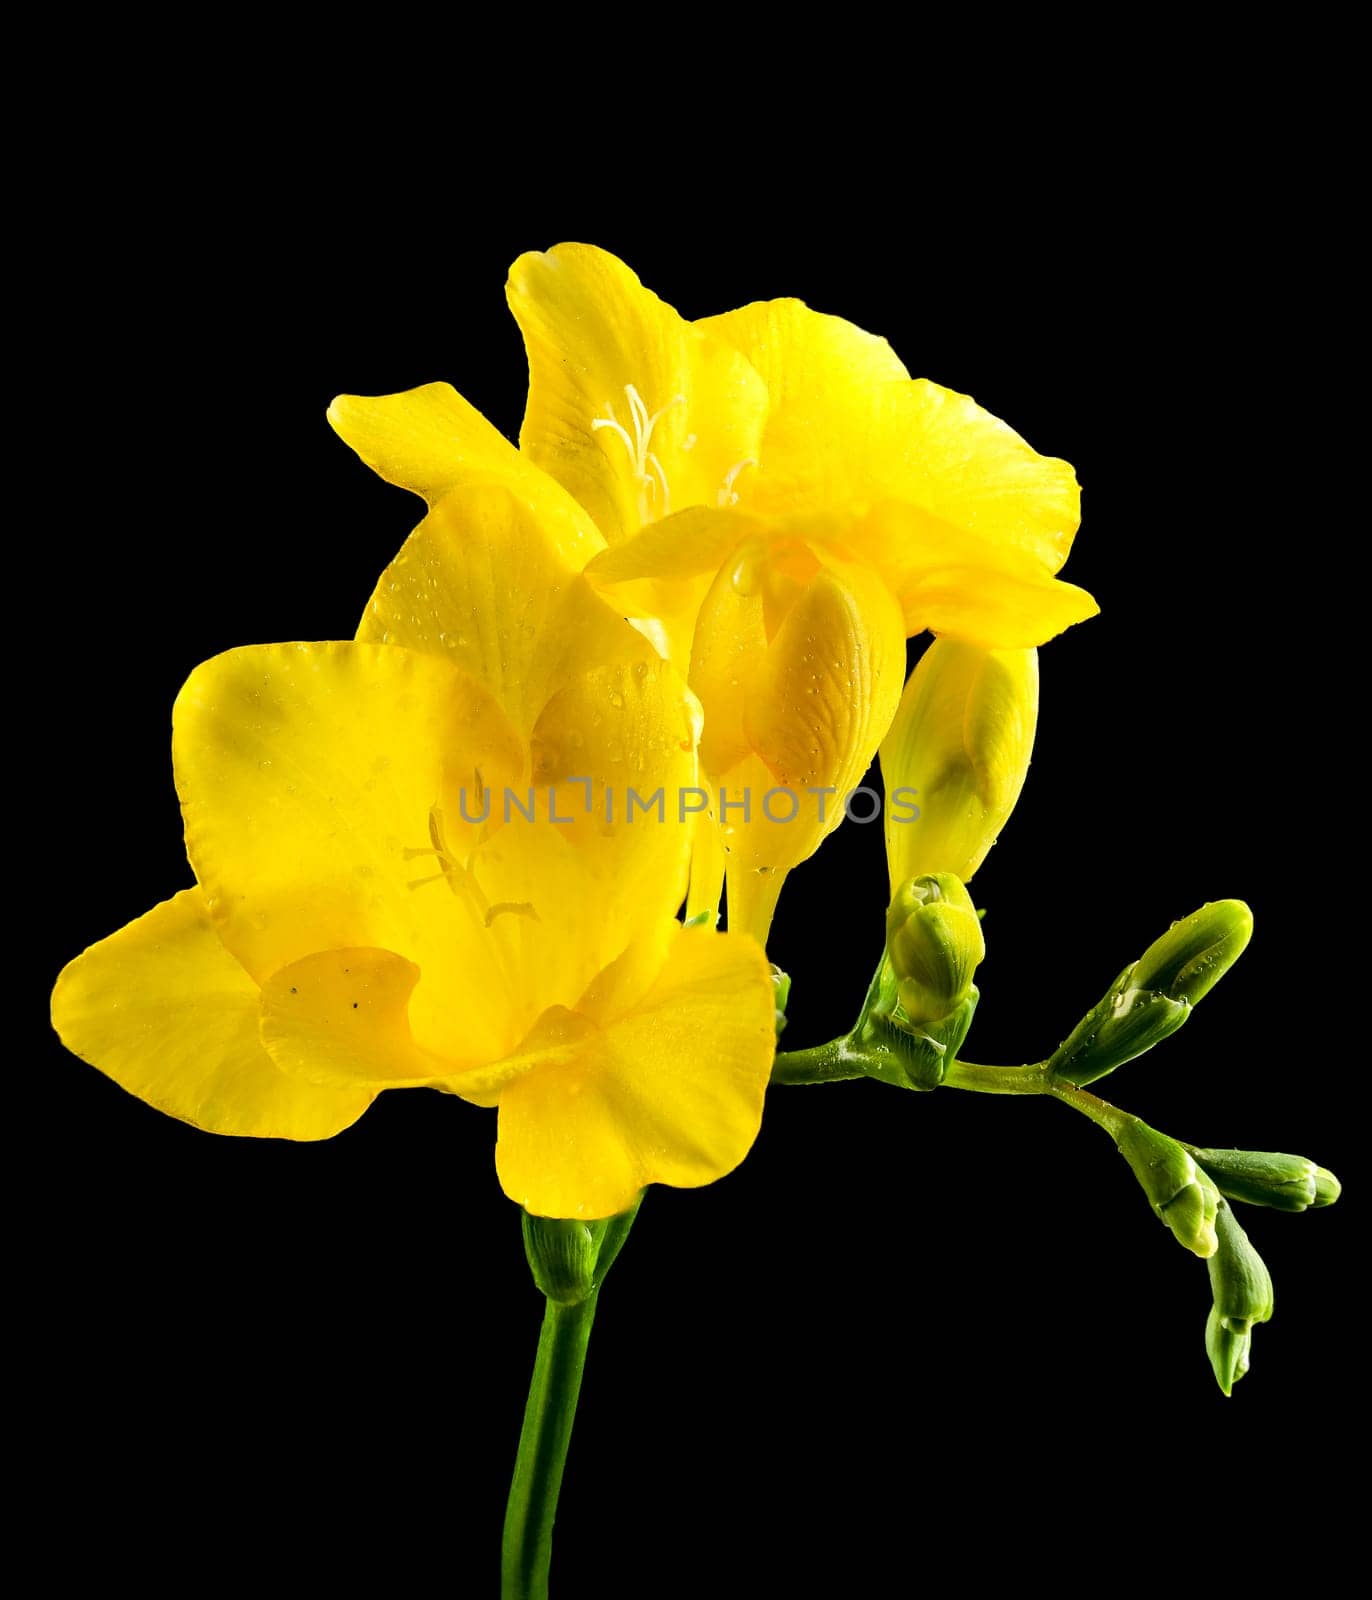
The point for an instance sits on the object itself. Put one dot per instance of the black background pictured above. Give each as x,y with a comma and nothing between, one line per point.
906,1319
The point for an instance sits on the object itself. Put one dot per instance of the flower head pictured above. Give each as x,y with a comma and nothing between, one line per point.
777,504
393,891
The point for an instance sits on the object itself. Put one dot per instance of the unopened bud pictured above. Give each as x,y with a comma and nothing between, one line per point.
1327,1187
781,993
1179,1191
955,758
1128,1021
1154,996
909,1054
1195,953
1267,1178
935,942
1242,1290
1228,1351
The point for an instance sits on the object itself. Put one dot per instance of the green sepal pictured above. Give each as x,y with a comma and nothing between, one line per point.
911,1055
1180,1192
1268,1178
569,1258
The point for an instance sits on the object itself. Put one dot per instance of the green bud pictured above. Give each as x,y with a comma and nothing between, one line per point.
1228,1351
1195,953
569,1258
1242,1290
1327,1187
1128,1021
1239,1279
935,942
901,1052
1154,996
1179,1191
781,986
1266,1178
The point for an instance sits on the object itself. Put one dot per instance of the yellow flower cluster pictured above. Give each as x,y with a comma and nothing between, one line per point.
695,575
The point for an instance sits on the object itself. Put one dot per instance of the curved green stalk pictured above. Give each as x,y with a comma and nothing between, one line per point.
822,1063
527,1549
1032,1079
841,1058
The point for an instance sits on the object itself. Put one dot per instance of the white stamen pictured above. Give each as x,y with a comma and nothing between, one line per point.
656,465
597,423
728,496
639,412
646,466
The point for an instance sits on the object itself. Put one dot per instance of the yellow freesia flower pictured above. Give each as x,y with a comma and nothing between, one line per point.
373,912
777,504
956,757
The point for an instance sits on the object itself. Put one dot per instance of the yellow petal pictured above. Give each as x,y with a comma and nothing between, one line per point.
820,368
164,1009
960,583
706,888
830,681
606,851
931,448
729,645
798,668
961,742
689,544
557,1036
341,1017
817,708
804,355
432,441
481,583
319,783
643,1101
634,411
617,988
765,829
970,469
994,609
664,571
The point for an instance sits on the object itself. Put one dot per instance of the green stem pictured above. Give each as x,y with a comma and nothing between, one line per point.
821,1063
840,1058
1032,1079
528,1545
1101,1112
